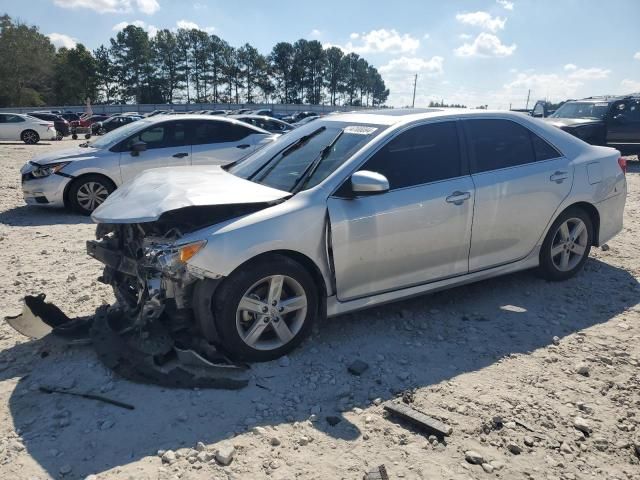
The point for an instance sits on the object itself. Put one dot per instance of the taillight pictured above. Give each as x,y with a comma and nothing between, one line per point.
623,164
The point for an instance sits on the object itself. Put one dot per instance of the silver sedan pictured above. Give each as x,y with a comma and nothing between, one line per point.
352,211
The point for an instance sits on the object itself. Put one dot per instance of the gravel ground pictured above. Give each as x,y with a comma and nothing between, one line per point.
538,380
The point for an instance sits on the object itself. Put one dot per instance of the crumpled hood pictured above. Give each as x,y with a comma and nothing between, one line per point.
570,122
73,154
160,190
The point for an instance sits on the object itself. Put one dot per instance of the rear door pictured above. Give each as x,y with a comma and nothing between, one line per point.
167,146
417,232
623,130
520,180
217,142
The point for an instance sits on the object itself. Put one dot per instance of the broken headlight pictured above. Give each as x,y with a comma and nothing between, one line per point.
42,171
171,257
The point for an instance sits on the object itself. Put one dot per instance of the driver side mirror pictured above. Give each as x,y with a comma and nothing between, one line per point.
365,182
138,147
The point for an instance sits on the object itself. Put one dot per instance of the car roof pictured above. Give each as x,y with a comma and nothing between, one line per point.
253,115
204,116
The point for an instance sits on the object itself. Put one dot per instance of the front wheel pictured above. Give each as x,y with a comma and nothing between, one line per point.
265,309
567,245
89,192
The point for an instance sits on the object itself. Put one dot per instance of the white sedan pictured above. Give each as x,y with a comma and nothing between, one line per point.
82,178
15,126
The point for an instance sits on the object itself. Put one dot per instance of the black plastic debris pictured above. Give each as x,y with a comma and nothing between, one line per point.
418,418
145,355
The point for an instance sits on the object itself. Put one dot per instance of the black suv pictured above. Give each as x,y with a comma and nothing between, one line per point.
609,121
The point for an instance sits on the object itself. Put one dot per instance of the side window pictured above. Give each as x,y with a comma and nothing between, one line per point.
542,149
628,110
499,144
164,135
14,119
218,132
423,154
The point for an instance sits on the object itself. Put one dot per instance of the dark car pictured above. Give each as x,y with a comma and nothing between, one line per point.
608,121
271,125
111,123
296,117
61,125
71,117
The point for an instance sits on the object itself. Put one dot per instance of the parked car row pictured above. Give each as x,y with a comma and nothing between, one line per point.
26,128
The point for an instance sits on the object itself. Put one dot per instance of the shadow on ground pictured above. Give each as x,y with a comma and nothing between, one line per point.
415,343
33,215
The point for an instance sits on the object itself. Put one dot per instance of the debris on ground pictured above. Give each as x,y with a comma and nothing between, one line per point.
357,367
378,473
89,396
418,418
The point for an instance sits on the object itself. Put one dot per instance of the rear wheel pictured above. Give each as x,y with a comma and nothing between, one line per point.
30,137
89,192
567,245
265,309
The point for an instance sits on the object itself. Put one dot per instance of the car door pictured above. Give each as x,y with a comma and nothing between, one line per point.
166,144
12,126
4,127
623,126
418,231
520,180
218,142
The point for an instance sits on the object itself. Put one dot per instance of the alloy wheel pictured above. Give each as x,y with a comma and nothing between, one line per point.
569,244
91,194
30,137
271,312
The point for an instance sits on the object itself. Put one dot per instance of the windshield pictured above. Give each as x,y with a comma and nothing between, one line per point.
306,156
115,136
582,110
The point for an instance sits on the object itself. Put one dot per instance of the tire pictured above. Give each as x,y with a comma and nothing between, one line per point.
74,136
59,136
563,254
88,192
30,137
276,333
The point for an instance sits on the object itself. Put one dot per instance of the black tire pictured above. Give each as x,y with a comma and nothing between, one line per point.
30,137
87,136
59,136
74,136
230,292
549,267
84,184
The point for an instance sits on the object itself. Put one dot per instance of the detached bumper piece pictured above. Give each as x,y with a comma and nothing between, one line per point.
148,355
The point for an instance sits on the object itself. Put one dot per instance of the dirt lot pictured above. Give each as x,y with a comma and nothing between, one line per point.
514,365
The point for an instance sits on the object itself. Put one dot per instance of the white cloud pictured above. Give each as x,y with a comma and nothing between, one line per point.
151,29
570,67
381,41
315,33
409,65
505,4
189,25
485,45
589,73
62,40
464,36
398,75
637,56
482,20
148,7
630,85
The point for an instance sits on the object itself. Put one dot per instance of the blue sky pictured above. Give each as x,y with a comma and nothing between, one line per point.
469,51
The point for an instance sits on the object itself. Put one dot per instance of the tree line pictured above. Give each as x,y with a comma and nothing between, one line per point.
188,65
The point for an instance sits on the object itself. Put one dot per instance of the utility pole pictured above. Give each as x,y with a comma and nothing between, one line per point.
415,82
528,95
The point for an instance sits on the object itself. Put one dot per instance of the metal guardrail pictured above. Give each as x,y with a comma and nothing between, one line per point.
277,108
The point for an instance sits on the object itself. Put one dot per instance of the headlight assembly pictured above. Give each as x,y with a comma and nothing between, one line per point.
42,171
171,257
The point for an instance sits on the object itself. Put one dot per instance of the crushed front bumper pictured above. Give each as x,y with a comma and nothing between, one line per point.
48,191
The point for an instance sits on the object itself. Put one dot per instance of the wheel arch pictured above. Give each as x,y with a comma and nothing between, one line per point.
590,210
67,187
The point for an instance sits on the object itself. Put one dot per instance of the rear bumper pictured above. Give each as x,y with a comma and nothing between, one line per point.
611,213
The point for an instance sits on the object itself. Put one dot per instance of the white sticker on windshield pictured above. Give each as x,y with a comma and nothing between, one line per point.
359,130
602,104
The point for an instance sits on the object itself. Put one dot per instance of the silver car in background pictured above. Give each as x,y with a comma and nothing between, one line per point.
81,178
351,211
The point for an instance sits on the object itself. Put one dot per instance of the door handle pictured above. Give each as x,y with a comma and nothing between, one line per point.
559,176
180,155
458,198
244,145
